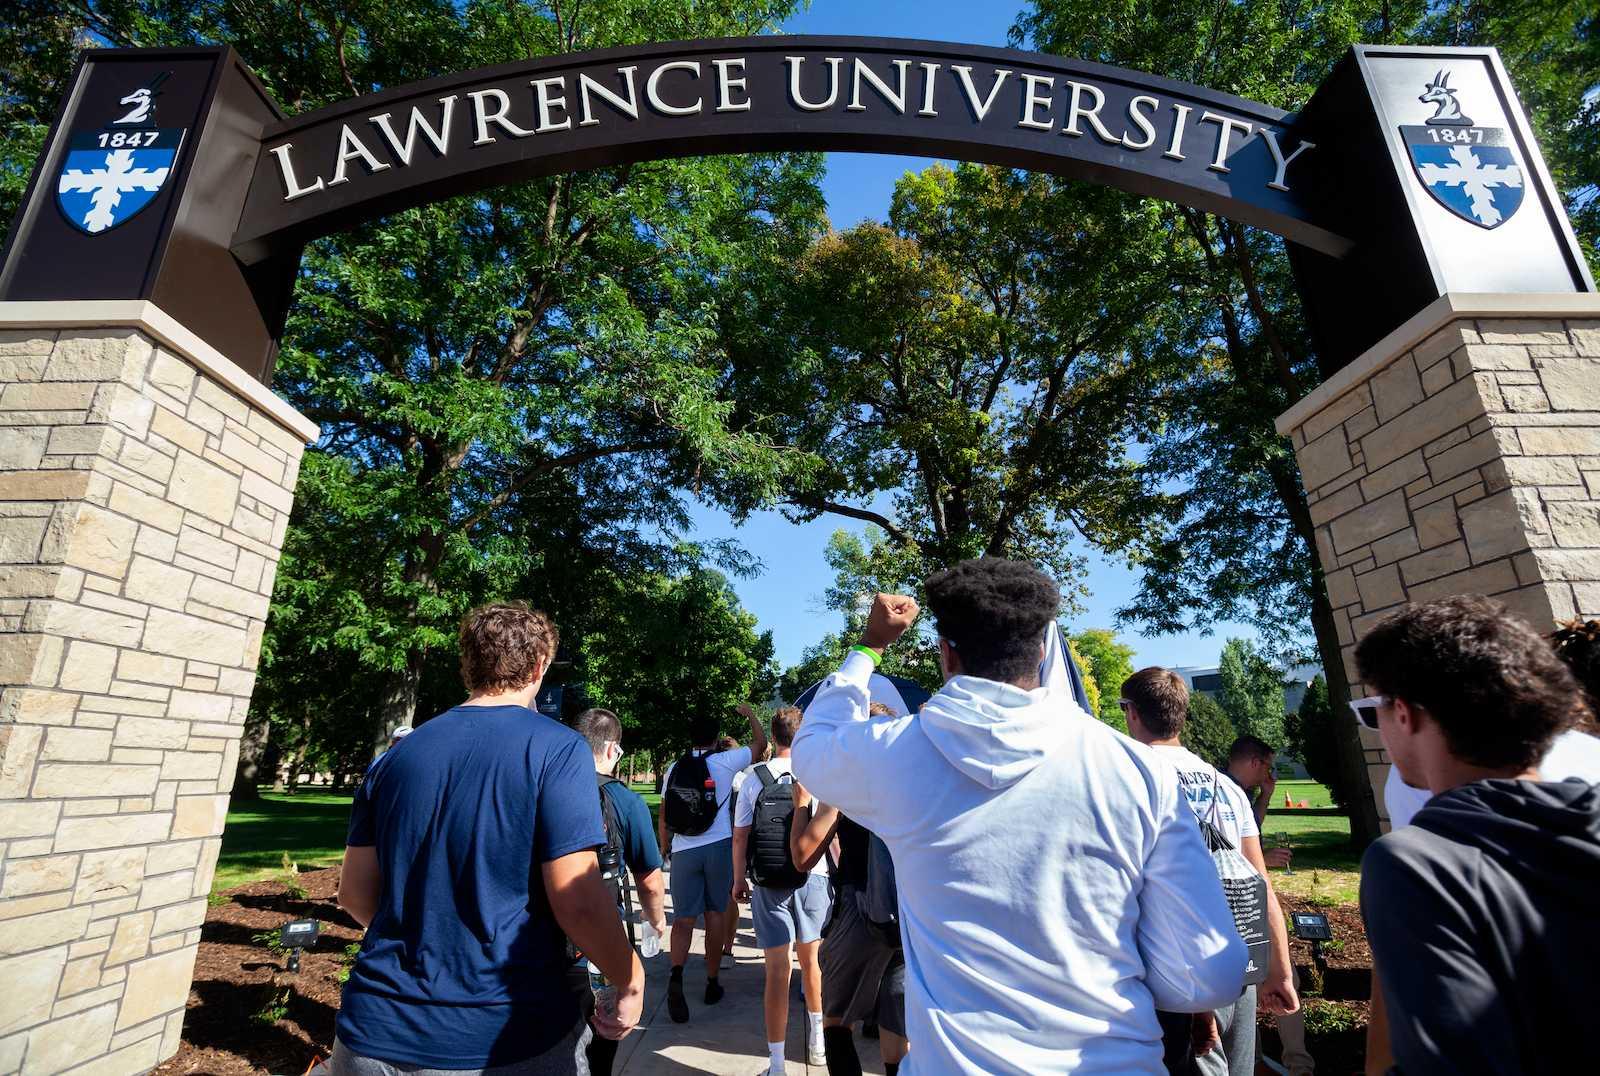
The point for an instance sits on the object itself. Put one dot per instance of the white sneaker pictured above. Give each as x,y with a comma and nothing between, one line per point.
815,1053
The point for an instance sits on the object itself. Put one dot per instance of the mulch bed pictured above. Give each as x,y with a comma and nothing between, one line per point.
233,1026
239,983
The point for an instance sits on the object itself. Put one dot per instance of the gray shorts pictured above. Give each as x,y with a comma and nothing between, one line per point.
565,1058
701,879
862,974
790,915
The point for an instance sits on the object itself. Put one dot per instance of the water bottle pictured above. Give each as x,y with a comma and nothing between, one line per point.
649,942
605,995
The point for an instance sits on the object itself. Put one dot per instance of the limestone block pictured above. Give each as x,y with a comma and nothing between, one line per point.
76,745
60,1044
61,485
186,916
1393,547
1435,562
1380,588
179,431
1341,588
80,975
203,487
166,889
21,539
1560,440
88,667
234,599
1396,388
1423,424
157,985
112,831
272,494
1470,453
204,547
1492,357
252,525
25,818
158,584
171,373
73,621
1524,398
1572,384
29,932
18,907
1491,578
1444,343
199,816
47,396
1437,377
173,856
30,987
139,1056
1383,516
22,448
1572,565
1587,597
127,410
1575,523
1324,459
206,875
132,938
57,779
1585,337
100,355
145,508
1507,522
44,874
152,732
1347,499
109,875
146,459
237,448
19,750
191,766
149,668
1402,471
191,637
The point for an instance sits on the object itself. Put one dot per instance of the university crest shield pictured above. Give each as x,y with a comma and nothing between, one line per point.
1470,170
108,176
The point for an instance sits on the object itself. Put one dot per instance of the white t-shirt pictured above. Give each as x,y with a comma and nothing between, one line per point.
750,791
724,765
1572,754
1213,796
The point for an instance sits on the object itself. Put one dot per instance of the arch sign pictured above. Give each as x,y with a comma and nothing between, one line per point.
171,175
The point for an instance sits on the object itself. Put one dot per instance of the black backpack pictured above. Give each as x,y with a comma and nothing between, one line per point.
689,802
879,899
769,860
613,870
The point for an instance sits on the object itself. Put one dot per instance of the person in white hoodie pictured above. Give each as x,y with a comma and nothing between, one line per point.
1054,888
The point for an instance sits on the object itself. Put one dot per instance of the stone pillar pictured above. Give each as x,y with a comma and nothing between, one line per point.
145,487
1460,455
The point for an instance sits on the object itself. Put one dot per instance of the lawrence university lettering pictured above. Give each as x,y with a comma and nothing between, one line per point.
1144,134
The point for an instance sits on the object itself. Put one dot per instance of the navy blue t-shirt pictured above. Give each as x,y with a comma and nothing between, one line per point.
639,849
464,964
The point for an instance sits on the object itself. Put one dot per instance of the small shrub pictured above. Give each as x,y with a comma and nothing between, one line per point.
347,961
1331,1018
291,878
269,939
276,1008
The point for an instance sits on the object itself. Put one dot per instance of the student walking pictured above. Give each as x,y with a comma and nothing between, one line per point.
694,811
788,905
1054,890
1480,912
471,862
1155,702
630,849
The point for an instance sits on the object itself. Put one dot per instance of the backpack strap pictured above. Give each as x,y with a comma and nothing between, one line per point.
765,773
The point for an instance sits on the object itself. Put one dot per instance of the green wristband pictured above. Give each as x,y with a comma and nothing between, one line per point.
877,659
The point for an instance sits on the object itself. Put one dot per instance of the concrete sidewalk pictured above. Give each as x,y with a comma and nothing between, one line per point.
727,1039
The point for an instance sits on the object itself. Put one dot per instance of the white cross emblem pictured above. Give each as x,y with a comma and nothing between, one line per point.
108,185
1476,179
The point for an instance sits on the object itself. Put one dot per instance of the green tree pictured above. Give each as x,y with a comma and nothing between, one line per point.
1110,663
1309,736
1207,732
668,649
1252,692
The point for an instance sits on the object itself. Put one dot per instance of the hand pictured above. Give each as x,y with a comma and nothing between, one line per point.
802,798
1277,995
741,891
891,616
1268,784
1203,1035
660,927
746,711
1277,857
624,1017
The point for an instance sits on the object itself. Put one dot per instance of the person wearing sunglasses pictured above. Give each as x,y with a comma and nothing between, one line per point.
1479,912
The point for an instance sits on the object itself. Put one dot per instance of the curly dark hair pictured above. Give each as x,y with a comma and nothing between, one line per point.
505,646
1577,643
994,613
1491,682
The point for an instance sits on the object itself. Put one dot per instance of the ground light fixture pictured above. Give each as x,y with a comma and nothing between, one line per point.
296,936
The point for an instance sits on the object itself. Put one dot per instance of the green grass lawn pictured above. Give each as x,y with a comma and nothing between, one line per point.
1326,868
309,826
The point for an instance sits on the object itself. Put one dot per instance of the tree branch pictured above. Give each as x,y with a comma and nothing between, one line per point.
864,514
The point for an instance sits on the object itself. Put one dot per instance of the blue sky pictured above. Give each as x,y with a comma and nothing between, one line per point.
786,595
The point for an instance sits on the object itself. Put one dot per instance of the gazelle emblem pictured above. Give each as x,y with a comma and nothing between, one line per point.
143,101
1447,110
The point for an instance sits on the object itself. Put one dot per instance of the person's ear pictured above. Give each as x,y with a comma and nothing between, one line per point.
949,659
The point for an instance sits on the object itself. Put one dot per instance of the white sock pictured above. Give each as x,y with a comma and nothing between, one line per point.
775,1053
814,1024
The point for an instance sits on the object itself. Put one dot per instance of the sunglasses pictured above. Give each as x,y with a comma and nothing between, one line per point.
1366,710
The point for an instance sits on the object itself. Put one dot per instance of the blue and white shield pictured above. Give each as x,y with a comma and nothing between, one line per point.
110,175
1471,171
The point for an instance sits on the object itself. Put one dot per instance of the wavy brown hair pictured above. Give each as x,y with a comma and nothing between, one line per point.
505,646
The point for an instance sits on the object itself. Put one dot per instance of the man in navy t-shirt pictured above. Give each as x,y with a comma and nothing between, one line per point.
471,860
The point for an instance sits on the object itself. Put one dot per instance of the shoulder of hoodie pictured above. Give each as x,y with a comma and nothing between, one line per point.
1161,775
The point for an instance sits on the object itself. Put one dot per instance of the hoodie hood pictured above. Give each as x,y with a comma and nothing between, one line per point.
1549,829
994,733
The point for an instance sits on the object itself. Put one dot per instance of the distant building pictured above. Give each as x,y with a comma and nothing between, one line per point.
1207,680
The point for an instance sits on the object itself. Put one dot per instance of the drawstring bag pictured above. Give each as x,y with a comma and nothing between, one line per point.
1246,893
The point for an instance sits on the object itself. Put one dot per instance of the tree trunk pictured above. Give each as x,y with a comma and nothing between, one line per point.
1363,807
399,706
256,760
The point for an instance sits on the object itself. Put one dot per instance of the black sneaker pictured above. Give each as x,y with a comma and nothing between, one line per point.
677,1004
714,992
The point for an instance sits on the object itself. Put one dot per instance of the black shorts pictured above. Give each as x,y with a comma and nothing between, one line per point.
863,975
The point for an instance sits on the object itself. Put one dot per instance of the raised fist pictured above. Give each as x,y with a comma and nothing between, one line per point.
891,615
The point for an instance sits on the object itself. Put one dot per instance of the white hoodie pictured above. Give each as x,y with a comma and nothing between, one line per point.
1054,888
